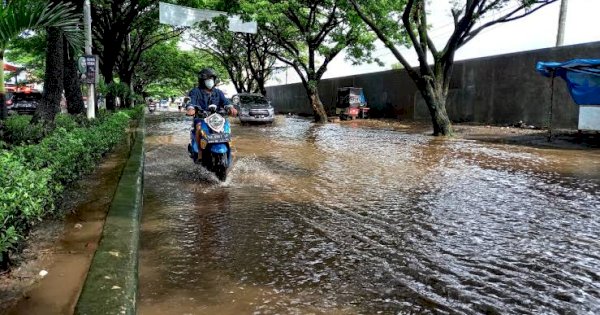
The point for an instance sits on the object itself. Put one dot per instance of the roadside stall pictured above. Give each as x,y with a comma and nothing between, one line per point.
583,81
351,103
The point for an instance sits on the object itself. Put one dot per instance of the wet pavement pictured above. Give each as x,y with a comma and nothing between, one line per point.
341,219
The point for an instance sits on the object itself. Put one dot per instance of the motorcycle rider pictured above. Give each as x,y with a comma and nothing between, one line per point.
206,93
201,97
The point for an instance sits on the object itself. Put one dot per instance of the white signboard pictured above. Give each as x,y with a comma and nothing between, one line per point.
177,15
589,117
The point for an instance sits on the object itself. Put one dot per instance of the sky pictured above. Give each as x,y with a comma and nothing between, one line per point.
535,31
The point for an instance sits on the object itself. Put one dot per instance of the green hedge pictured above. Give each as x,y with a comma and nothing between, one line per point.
19,130
32,176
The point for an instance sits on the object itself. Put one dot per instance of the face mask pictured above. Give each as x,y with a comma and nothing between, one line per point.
209,83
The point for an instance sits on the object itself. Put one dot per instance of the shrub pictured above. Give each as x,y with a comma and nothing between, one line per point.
19,130
66,121
32,176
25,197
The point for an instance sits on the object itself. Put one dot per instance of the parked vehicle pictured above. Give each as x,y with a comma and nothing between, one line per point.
253,108
25,102
215,142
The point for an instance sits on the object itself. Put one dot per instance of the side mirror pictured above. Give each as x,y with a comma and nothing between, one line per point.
235,100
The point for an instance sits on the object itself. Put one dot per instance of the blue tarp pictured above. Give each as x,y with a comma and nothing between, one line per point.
582,77
362,99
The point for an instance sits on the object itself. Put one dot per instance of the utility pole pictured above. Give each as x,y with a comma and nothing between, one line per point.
562,19
87,26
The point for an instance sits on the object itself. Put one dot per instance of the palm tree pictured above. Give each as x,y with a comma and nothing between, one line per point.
21,15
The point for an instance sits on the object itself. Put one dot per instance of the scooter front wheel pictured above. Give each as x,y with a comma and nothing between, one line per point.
221,172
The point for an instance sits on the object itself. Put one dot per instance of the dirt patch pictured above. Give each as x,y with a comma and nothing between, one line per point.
34,258
527,135
49,273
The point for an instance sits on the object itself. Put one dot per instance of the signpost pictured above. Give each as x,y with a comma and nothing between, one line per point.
90,61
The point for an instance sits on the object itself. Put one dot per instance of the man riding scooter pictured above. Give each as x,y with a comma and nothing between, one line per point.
201,97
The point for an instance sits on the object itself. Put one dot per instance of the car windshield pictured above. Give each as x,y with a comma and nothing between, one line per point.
252,100
27,97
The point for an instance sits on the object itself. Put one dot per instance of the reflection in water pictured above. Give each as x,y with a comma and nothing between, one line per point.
335,219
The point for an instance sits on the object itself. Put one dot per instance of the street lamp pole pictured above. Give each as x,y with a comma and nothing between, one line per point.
87,26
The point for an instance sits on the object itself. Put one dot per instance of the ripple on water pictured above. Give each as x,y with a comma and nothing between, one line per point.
339,219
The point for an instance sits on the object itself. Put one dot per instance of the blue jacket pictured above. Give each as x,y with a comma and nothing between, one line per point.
202,99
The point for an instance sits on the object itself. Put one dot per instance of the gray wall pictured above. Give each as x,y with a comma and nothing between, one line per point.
497,90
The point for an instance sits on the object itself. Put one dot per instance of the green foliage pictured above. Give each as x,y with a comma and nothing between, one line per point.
19,130
21,15
309,32
25,196
29,52
66,122
32,176
310,35
397,66
166,70
119,89
248,58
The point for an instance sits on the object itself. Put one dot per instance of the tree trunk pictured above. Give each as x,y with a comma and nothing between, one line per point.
110,101
317,105
435,98
5,264
261,86
3,109
72,84
53,80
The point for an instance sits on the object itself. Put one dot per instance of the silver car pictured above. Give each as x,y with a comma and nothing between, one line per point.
253,108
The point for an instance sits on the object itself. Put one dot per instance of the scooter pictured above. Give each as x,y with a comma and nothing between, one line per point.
214,131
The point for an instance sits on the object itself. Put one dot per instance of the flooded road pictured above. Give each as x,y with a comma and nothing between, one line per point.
340,219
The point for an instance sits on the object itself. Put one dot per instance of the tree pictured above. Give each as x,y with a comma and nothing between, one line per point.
470,18
49,106
123,30
61,73
248,58
21,15
29,51
140,40
311,34
166,70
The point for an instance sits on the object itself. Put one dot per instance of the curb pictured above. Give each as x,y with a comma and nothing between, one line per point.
112,281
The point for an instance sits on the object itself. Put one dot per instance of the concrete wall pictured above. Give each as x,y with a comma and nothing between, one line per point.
496,90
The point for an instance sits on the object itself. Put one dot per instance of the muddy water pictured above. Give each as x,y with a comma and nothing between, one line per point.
340,219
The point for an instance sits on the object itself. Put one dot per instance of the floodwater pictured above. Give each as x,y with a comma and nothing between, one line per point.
341,219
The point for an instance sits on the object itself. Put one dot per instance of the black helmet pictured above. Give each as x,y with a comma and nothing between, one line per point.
205,74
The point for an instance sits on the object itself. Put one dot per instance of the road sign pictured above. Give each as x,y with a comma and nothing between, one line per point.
177,15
